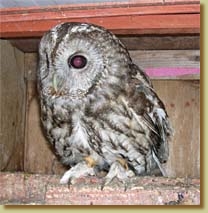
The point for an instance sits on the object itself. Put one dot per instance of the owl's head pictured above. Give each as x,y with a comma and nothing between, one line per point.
75,58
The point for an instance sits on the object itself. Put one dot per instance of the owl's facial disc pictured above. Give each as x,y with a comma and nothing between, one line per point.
77,61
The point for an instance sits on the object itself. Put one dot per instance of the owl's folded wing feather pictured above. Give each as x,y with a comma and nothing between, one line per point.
145,103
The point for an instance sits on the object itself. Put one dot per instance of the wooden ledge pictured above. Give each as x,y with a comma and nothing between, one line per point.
131,19
20,188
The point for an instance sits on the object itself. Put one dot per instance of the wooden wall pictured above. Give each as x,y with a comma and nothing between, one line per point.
182,101
12,107
180,95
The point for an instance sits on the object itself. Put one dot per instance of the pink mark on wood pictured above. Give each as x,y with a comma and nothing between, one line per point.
171,71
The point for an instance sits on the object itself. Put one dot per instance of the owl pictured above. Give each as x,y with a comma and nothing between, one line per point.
99,110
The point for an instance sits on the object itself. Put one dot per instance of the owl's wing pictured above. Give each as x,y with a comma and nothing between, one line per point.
145,103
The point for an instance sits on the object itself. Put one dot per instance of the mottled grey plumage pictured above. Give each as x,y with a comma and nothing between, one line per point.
99,110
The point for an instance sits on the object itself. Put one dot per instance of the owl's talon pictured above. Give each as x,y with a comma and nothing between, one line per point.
80,170
65,179
105,183
117,170
102,185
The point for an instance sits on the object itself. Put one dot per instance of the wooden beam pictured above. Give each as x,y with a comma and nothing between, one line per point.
153,42
168,64
158,19
37,189
147,59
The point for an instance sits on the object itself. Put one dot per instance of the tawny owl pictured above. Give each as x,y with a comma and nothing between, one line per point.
99,110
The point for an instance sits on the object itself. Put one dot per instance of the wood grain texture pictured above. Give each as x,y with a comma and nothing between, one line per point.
81,3
31,14
181,1
91,3
162,42
36,189
166,58
181,99
12,104
131,42
158,19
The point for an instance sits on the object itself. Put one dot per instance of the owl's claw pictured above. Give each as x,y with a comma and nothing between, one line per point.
80,170
105,183
120,171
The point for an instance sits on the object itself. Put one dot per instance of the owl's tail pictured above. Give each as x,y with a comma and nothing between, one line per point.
162,170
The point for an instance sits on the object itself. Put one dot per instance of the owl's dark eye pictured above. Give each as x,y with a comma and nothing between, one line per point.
77,61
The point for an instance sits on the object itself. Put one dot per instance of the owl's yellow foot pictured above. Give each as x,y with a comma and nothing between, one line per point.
90,161
123,162
100,170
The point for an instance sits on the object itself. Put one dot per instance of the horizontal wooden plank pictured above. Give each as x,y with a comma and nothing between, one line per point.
91,4
131,42
181,1
150,24
171,71
186,77
27,14
166,58
28,45
35,189
96,4
158,19
161,42
169,64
